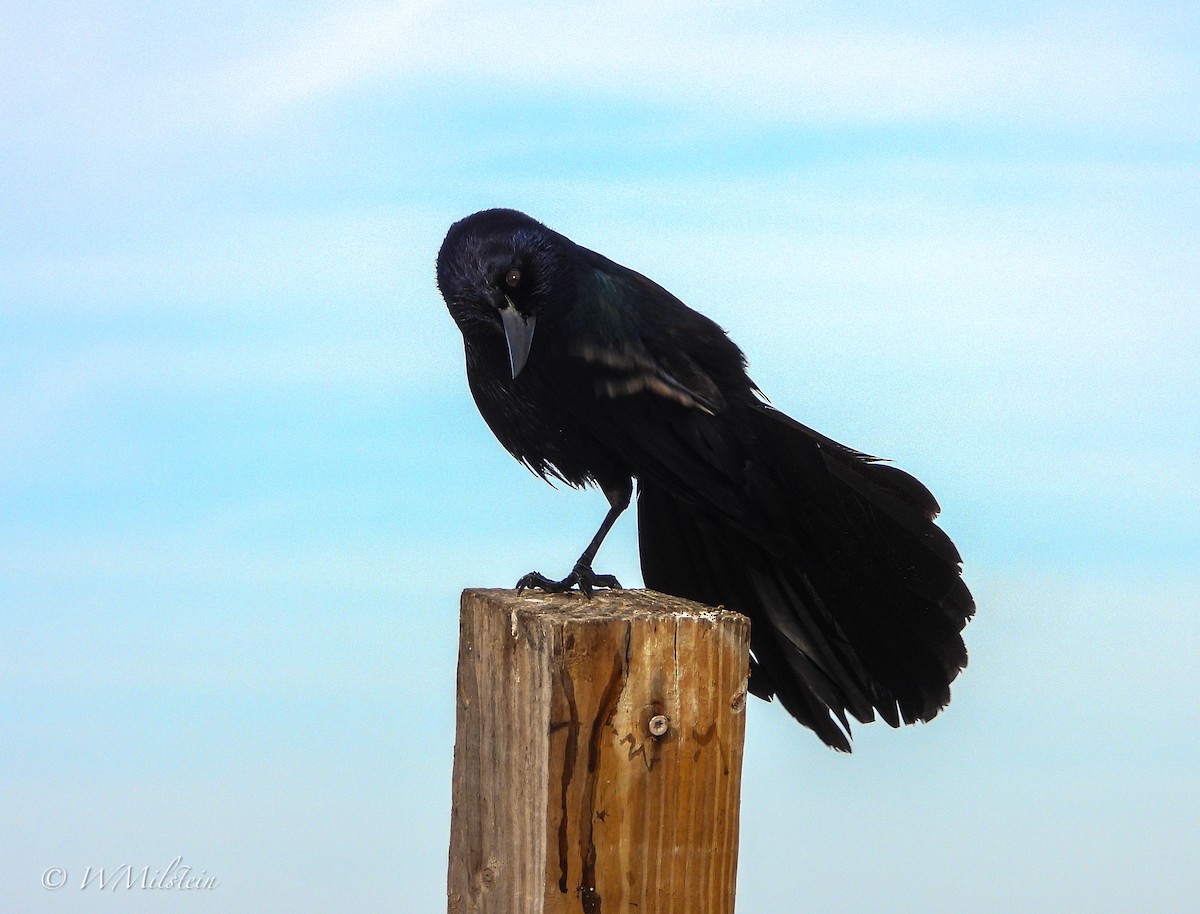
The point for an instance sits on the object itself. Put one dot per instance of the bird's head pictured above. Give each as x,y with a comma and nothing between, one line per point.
502,272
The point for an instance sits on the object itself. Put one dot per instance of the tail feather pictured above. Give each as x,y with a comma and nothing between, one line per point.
685,553
854,594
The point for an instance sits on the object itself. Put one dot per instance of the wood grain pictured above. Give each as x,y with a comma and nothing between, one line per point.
564,800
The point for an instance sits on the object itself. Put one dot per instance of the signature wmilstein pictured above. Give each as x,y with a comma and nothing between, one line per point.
177,875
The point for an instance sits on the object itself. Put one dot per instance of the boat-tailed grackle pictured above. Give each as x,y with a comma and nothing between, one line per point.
592,374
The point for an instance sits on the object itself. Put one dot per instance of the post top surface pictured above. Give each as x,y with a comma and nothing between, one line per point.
604,604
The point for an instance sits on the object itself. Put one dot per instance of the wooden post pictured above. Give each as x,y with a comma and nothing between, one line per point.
597,764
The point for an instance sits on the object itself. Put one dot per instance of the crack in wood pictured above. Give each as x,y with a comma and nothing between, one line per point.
572,725
589,896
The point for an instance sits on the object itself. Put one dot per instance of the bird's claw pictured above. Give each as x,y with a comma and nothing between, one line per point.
581,576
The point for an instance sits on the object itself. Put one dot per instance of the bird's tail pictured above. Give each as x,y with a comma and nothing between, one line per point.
854,594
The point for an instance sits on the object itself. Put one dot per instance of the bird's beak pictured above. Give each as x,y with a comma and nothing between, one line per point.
518,333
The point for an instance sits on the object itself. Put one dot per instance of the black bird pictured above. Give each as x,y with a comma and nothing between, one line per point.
592,374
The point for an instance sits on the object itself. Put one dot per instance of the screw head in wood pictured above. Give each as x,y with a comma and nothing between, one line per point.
659,724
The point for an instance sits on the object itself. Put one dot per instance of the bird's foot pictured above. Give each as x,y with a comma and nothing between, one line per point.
581,576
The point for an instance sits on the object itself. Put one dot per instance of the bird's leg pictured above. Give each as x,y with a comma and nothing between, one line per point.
581,575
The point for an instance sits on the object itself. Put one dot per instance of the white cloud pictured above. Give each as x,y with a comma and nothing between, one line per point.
1073,69
338,52
124,84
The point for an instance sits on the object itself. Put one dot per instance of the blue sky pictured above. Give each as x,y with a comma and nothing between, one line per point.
242,481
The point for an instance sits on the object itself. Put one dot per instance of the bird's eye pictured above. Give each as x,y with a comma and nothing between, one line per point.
512,278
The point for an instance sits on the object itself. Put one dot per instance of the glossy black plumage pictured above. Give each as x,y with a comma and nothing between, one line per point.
588,372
